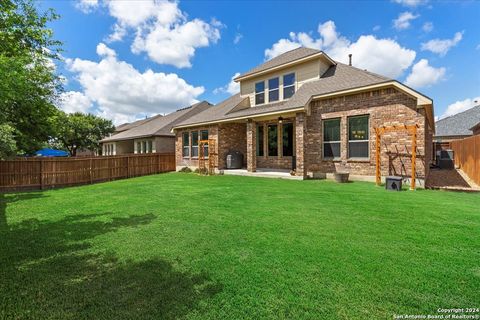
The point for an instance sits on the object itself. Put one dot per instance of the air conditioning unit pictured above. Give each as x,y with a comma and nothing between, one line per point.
393,183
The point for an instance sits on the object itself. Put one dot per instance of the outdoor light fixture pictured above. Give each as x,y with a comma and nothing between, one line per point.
280,120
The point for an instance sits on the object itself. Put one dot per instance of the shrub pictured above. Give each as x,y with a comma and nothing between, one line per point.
185,170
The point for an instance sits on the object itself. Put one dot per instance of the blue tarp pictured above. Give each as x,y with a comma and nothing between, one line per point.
51,153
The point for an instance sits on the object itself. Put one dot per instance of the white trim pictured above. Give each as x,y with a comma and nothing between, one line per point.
285,65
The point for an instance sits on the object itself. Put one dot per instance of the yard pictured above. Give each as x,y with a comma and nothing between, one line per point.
188,246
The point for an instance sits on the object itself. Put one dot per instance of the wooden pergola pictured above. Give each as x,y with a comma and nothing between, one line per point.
210,158
411,129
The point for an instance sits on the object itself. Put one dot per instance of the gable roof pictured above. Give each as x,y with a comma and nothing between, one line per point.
285,58
159,125
338,77
130,125
459,124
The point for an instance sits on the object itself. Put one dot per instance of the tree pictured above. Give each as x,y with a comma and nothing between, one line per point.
29,86
81,131
8,146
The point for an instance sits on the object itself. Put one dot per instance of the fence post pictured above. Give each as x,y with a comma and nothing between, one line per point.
91,170
128,166
42,181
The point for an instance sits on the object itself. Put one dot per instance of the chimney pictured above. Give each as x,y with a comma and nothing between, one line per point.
350,59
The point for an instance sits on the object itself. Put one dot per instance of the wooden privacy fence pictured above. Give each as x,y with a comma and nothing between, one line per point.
467,156
42,173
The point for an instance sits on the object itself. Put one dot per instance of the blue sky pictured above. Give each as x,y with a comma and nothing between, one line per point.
125,60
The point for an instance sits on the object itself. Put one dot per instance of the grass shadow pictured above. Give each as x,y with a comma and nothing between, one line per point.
48,271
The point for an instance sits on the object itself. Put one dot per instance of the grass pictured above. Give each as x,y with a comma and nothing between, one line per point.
188,246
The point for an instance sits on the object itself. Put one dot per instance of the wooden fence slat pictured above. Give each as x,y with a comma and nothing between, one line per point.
467,156
42,173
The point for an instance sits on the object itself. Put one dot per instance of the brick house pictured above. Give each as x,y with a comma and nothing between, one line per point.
150,135
306,112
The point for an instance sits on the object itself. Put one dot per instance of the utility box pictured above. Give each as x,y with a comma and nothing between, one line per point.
445,159
393,183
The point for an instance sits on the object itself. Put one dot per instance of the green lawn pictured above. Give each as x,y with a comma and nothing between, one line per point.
195,247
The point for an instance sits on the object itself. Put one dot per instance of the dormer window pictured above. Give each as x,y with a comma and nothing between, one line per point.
260,93
288,85
273,91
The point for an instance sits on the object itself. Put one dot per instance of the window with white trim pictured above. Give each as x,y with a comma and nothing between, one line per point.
186,144
194,144
273,91
204,136
260,92
331,138
358,141
288,85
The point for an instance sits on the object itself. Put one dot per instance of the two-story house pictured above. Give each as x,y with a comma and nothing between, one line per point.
305,112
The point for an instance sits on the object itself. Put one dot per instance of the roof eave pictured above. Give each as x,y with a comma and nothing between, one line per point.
285,65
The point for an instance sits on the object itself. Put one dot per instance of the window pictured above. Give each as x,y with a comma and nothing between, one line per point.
358,137
204,136
259,93
273,90
287,139
260,140
144,147
194,144
272,140
288,85
139,147
331,138
149,146
186,145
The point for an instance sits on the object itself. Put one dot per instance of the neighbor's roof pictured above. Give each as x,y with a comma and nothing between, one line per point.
459,124
127,126
160,125
337,78
284,58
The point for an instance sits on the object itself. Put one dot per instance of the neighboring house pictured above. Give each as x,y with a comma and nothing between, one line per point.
304,111
150,135
458,126
476,129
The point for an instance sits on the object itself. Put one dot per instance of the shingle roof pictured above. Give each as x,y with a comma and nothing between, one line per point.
459,124
337,78
160,125
127,126
284,58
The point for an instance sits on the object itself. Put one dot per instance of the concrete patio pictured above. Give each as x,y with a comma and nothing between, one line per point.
265,173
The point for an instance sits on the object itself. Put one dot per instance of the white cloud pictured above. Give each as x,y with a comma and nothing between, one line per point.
237,38
86,6
174,44
161,29
376,28
403,20
427,27
384,56
424,75
232,87
122,92
478,47
411,3
74,101
440,46
460,106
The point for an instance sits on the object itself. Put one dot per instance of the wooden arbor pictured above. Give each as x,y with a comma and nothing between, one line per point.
411,129
209,157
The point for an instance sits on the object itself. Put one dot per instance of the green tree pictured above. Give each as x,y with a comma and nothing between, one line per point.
81,131
29,86
8,146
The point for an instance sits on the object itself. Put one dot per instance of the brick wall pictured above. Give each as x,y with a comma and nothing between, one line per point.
228,137
232,137
385,107
189,161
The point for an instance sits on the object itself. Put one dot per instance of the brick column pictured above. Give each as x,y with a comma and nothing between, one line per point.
300,127
251,146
